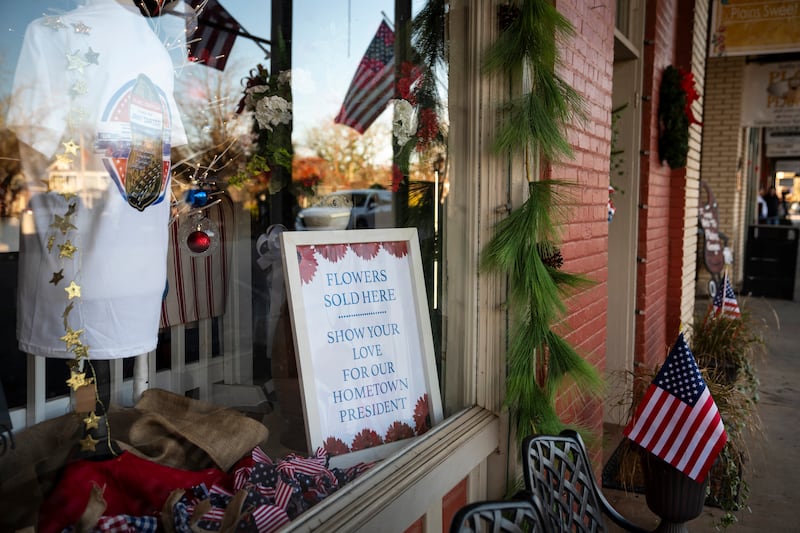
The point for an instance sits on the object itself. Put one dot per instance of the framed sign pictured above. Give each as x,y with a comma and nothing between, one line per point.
363,340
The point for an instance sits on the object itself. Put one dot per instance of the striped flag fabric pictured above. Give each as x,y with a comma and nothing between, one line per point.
725,300
677,420
197,286
212,40
373,83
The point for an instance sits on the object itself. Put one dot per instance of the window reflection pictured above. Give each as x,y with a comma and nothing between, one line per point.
154,163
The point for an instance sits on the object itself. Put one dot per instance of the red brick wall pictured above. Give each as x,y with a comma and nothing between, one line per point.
588,60
658,181
664,223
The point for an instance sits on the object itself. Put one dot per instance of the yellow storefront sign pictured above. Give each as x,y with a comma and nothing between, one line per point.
743,27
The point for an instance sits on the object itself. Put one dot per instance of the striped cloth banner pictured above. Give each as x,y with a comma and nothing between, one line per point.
197,286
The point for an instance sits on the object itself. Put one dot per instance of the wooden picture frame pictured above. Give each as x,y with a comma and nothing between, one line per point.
363,340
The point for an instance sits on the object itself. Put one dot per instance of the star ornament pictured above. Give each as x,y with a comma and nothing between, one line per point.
81,351
80,27
79,88
66,313
73,290
57,277
72,338
88,444
91,56
62,224
77,380
70,147
54,23
67,250
75,61
91,421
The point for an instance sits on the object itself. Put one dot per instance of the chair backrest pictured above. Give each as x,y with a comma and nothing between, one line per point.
499,516
558,472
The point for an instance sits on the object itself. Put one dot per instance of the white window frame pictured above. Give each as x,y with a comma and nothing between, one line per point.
471,442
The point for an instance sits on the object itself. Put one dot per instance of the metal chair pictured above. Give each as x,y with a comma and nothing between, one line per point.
500,516
558,473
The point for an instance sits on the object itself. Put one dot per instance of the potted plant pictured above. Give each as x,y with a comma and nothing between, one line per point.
726,348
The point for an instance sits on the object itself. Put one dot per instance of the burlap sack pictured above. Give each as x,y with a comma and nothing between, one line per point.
181,432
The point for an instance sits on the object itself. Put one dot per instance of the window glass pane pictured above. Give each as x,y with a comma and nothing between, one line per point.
148,165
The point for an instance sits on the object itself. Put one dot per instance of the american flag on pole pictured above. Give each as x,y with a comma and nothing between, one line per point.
211,42
373,83
677,419
725,300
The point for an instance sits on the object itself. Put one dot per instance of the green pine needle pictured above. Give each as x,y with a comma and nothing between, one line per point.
539,117
531,38
427,30
538,360
565,361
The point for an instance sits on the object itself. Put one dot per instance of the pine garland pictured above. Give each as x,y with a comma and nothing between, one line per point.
524,245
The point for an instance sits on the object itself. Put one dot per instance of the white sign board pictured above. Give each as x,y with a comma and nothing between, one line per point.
771,95
363,340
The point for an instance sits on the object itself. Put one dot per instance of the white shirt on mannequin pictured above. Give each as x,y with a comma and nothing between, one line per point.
93,87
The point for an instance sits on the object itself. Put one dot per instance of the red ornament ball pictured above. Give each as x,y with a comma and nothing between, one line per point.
198,241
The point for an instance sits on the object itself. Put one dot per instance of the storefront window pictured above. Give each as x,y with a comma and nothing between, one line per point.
148,165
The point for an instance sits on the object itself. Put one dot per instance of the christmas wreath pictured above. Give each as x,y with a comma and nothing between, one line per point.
675,115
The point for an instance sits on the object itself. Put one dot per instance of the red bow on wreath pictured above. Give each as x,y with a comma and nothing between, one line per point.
687,84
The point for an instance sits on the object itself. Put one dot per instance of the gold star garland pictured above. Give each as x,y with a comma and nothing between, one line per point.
63,228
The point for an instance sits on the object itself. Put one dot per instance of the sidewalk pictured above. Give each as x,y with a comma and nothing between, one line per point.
775,456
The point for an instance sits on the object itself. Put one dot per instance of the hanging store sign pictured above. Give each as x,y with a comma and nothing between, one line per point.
782,142
363,340
747,27
771,95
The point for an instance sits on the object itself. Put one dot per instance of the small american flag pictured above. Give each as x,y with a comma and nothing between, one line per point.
212,41
373,83
677,419
126,524
725,300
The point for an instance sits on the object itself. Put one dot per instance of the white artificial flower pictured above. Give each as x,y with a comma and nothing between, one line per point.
273,110
404,125
257,89
251,96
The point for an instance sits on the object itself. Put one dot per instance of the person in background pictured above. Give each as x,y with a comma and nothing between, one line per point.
772,206
762,207
784,210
